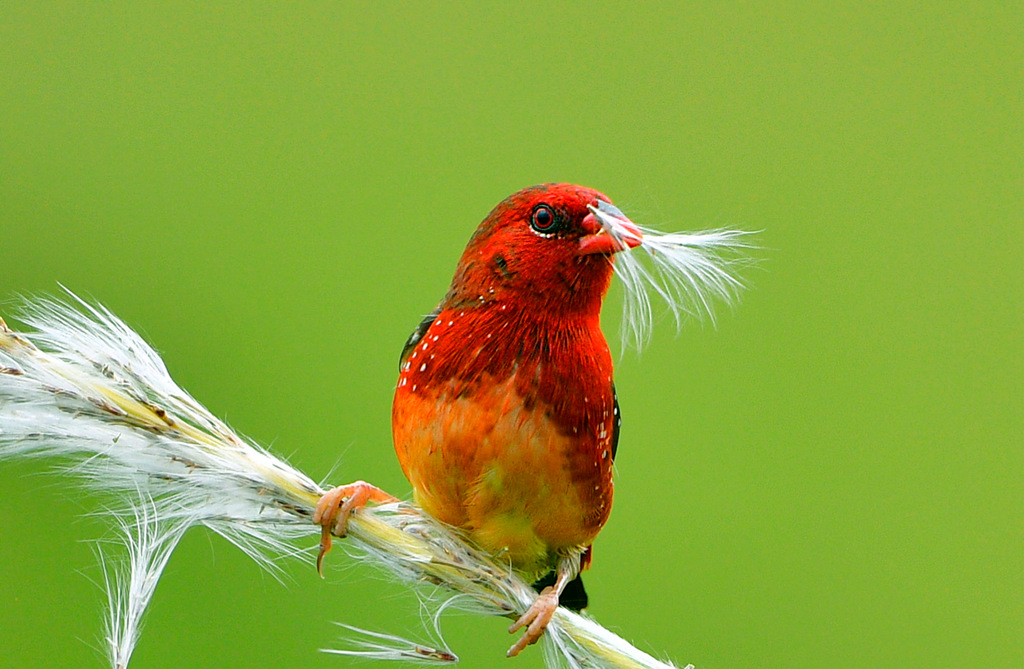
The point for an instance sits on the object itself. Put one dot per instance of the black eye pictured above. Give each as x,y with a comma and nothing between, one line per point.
544,220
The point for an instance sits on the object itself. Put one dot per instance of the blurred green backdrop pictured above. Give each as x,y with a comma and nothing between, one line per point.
274,194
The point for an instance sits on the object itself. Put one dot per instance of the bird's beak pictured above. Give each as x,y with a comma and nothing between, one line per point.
608,230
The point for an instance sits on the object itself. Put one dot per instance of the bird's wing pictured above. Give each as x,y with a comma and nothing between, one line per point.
618,423
418,333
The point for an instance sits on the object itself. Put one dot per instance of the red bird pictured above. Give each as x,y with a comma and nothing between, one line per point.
505,418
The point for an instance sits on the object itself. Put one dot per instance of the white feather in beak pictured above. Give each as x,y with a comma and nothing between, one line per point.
688,270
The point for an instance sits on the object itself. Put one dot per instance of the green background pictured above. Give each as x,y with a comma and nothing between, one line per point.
274,194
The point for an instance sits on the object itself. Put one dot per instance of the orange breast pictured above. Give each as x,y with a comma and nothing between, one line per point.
484,458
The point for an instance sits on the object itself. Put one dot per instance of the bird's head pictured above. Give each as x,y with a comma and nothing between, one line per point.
545,247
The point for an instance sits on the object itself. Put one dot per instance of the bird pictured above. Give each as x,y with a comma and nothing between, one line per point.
505,418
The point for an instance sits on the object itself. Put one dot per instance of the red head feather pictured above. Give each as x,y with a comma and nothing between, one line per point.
541,249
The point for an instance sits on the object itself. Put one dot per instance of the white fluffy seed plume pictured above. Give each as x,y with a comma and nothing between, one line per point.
689,271
81,387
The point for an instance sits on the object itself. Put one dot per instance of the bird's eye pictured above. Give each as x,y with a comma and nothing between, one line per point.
544,220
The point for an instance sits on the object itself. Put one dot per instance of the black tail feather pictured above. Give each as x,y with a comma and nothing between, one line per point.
574,597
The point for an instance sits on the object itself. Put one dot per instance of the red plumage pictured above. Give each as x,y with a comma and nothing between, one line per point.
505,418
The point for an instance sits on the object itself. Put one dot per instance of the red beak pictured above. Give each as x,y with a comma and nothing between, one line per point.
608,231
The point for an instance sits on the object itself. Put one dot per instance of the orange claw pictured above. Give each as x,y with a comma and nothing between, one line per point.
535,620
335,507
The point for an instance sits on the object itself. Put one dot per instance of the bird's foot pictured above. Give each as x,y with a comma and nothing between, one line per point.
335,507
535,620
